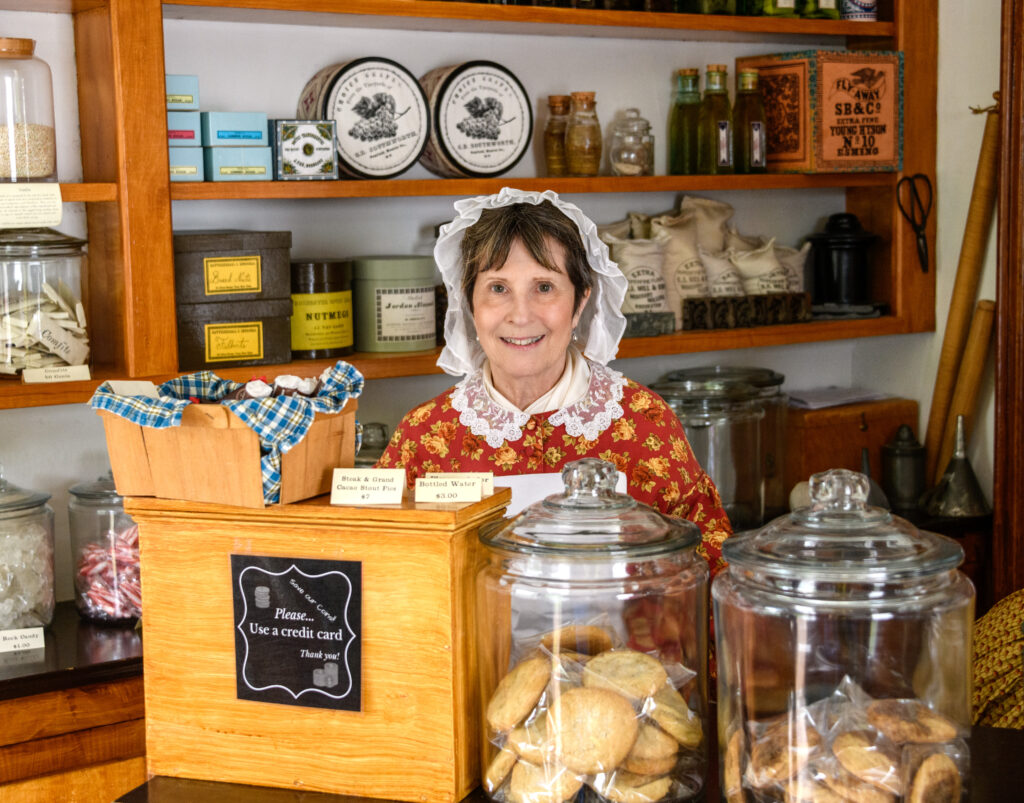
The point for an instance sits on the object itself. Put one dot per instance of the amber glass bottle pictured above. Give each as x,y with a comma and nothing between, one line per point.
583,136
714,126
748,125
682,124
554,135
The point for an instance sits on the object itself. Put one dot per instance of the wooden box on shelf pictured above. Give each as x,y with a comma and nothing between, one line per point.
406,725
214,457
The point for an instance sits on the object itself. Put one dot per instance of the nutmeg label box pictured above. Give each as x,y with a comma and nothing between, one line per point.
832,111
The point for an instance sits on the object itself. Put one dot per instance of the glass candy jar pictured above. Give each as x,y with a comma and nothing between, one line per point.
632,147
591,622
26,557
28,146
105,549
42,318
843,641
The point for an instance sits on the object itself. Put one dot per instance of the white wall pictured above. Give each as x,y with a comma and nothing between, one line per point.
52,448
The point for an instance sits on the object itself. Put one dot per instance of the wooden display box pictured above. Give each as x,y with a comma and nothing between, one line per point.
416,735
833,437
214,457
832,111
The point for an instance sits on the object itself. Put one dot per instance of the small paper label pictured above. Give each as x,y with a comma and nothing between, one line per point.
58,340
177,100
448,489
56,373
181,133
243,171
28,638
184,170
376,486
133,387
234,341
486,478
239,134
229,275
25,206
404,314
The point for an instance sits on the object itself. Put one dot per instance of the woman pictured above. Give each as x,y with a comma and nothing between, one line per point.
533,319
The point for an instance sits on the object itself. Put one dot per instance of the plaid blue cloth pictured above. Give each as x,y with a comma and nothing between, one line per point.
279,422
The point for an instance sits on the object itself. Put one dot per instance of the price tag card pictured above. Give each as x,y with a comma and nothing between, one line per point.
486,478
55,373
27,638
26,206
448,489
368,486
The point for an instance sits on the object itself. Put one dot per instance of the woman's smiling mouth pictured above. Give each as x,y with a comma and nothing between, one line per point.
522,341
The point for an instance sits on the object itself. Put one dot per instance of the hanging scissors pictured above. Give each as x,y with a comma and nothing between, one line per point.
920,206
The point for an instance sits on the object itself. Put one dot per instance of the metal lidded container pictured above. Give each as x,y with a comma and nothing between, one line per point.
768,384
843,640
592,652
322,325
722,419
393,301
26,557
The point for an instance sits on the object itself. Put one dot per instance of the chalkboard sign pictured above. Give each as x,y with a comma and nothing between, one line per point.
298,626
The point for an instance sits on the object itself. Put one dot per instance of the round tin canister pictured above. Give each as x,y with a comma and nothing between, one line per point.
321,309
394,302
481,120
381,113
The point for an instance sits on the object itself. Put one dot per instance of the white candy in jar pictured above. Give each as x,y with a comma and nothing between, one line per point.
26,574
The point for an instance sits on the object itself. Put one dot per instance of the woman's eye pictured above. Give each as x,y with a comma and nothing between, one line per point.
545,287
497,288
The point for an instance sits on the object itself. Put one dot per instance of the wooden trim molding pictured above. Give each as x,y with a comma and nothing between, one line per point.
1008,490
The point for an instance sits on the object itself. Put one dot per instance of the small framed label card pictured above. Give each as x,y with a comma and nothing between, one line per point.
304,149
298,631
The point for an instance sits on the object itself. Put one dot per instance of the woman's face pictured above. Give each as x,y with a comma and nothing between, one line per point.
524,319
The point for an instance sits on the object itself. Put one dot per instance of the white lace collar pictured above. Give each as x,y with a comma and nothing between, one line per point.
589,417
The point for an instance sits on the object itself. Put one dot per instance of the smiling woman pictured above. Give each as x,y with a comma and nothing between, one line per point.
533,319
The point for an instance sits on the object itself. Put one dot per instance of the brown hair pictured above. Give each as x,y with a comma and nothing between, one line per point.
486,244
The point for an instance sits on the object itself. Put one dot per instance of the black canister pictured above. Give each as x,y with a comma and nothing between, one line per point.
903,470
841,267
321,309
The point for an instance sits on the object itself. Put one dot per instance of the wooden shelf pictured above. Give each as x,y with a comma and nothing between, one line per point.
13,394
72,193
481,17
262,190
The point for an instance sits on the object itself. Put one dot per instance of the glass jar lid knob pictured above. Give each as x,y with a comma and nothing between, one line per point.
839,491
589,481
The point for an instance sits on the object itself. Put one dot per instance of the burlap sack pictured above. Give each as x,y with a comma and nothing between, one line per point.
641,264
723,278
684,272
795,263
711,219
760,270
619,229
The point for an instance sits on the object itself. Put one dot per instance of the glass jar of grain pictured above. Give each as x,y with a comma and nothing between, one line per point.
28,146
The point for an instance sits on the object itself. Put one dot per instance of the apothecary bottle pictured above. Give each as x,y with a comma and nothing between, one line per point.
714,128
26,557
554,135
583,136
580,591
631,152
843,639
28,144
105,553
749,125
683,123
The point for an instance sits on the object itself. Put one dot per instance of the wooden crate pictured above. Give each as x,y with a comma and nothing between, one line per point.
832,437
214,457
417,735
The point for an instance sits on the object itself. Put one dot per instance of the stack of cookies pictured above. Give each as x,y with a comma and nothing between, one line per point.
847,748
575,711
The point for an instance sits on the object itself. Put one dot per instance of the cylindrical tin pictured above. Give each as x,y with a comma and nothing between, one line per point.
321,309
382,121
393,300
481,120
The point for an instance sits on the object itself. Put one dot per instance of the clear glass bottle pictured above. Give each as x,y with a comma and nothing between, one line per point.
577,587
749,125
842,632
28,143
631,152
583,136
40,282
26,557
554,135
105,553
714,127
683,124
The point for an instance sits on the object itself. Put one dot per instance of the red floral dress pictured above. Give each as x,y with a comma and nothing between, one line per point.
623,423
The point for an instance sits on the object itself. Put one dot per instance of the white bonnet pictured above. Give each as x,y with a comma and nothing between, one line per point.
601,325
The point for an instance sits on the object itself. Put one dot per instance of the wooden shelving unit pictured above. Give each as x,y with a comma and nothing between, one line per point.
120,65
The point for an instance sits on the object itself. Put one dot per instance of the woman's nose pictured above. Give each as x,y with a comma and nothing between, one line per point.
519,310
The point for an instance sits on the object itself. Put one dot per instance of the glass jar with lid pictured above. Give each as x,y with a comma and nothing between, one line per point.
28,145
843,640
631,152
26,557
42,318
591,622
105,550
722,419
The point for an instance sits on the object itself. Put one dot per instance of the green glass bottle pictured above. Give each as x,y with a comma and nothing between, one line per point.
779,8
749,125
819,9
714,125
682,124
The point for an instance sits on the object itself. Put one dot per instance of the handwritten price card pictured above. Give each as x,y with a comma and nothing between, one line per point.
371,486
448,489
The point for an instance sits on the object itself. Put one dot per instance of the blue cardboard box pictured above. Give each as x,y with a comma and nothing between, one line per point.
235,129
183,130
186,164
238,164
182,92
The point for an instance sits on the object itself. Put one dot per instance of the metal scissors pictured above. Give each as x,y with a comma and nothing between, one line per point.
920,203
